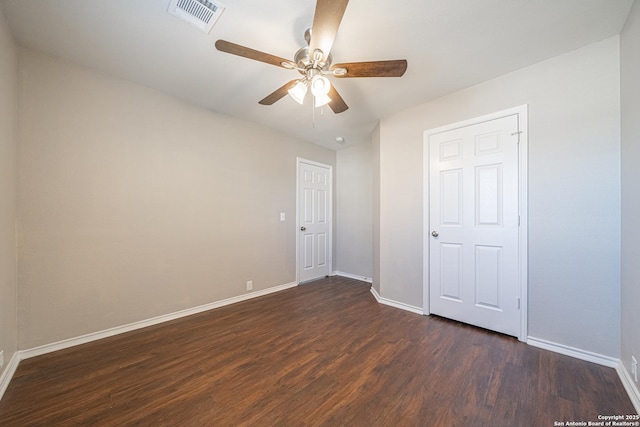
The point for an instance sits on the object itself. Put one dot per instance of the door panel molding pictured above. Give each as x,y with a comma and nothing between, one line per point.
484,145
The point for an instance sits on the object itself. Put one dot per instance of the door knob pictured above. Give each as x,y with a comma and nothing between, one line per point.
303,228
434,233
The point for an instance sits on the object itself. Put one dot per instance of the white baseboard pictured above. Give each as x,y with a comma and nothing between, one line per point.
578,353
7,375
352,276
10,370
629,386
83,339
396,304
611,362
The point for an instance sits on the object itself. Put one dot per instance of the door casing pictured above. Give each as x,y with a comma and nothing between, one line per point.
522,114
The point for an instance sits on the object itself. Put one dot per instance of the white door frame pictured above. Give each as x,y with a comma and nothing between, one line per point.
522,114
299,161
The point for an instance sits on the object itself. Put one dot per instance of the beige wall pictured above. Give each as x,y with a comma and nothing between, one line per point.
354,249
574,192
8,200
630,88
134,204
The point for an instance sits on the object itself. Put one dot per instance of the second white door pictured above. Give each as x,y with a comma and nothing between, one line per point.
473,218
314,220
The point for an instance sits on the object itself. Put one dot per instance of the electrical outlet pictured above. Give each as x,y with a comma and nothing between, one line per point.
1,359
249,285
634,368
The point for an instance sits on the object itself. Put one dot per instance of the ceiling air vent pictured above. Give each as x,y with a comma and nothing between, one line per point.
202,14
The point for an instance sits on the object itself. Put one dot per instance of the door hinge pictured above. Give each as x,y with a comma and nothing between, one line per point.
518,220
518,135
518,303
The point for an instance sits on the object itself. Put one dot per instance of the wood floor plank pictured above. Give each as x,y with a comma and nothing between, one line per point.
321,354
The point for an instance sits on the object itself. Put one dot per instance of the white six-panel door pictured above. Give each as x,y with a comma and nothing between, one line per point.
314,221
473,225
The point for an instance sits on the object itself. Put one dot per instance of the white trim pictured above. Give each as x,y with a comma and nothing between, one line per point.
395,304
7,375
577,353
352,276
523,210
589,356
300,160
12,366
522,113
83,339
629,386
426,224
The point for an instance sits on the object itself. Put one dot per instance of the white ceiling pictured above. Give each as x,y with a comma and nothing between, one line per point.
449,45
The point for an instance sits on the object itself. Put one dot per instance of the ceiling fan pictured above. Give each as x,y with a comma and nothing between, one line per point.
314,61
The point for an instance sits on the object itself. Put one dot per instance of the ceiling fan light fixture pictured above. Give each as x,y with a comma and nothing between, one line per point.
320,100
298,91
320,85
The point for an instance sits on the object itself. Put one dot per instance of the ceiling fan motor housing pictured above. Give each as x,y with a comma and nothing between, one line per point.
304,61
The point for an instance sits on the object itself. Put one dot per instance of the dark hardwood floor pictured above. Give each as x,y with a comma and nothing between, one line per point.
324,353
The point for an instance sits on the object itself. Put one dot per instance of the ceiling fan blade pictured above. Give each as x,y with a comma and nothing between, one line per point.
337,104
395,68
326,21
236,49
278,94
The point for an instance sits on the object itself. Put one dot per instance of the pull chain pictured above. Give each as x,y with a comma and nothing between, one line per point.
313,113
